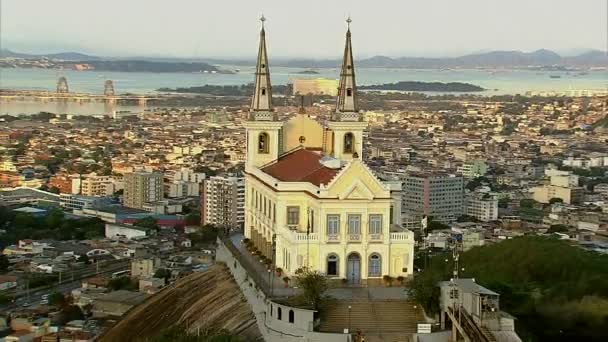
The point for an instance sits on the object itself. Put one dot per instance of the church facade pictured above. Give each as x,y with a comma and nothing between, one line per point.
310,199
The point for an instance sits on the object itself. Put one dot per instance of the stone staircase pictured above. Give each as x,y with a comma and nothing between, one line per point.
379,320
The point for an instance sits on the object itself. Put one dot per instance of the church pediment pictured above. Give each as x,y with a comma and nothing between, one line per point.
356,181
357,191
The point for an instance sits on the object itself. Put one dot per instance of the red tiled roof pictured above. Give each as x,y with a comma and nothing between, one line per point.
301,166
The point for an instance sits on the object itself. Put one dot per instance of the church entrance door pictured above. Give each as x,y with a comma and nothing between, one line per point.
353,269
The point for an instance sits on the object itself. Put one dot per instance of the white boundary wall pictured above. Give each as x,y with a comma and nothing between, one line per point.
272,328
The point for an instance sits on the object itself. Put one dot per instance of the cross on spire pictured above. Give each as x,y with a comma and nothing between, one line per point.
347,90
262,19
262,95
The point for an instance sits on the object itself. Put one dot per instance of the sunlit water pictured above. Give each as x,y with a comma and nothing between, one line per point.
497,82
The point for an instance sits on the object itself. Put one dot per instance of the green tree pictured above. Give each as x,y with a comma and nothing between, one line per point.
556,200
527,203
313,284
163,273
121,283
557,228
557,291
57,299
4,264
193,219
504,202
147,222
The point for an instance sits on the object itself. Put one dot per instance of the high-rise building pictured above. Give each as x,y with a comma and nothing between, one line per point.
92,185
183,183
481,205
223,201
436,194
311,201
142,188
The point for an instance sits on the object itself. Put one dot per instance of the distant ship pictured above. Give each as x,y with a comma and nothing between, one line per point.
555,76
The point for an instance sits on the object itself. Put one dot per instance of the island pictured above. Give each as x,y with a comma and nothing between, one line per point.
307,72
425,86
221,90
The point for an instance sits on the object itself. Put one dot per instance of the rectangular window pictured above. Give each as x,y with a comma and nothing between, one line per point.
293,215
333,225
312,221
354,224
375,224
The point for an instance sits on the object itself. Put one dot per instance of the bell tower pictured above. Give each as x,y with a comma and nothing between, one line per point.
262,125
346,122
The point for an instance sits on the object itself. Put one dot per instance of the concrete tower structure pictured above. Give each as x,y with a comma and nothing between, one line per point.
62,85
347,123
263,126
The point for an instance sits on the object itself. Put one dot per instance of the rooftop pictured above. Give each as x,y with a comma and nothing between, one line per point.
470,286
301,165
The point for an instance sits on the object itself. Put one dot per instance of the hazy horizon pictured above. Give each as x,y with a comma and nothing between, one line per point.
195,29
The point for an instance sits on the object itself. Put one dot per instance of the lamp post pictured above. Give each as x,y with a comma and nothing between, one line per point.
272,264
349,308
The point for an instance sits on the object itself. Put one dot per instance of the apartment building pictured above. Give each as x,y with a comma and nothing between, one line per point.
142,188
562,185
223,201
436,194
92,185
184,183
481,205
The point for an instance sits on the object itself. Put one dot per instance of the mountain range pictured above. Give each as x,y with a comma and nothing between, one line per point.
493,59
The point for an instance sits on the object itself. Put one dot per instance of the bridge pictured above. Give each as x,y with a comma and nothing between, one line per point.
62,94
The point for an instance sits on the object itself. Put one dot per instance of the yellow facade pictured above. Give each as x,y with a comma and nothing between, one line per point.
355,193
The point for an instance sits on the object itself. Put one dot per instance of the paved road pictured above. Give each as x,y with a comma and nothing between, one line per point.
69,282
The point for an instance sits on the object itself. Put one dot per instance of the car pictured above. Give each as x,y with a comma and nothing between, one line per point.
45,296
25,305
44,302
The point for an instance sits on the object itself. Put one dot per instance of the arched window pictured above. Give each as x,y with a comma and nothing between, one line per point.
271,309
374,268
332,265
349,92
279,313
349,142
263,143
263,91
291,316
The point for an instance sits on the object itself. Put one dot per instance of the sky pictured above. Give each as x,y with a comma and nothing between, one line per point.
307,29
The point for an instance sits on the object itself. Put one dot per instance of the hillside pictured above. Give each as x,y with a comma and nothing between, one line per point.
492,59
201,301
557,291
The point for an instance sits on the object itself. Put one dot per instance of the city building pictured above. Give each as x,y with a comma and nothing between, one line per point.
562,185
473,168
310,199
143,268
481,205
184,183
79,202
116,231
142,188
436,194
223,201
316,86
92,185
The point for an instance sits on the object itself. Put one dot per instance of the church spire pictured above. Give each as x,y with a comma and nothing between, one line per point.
262,94
346,104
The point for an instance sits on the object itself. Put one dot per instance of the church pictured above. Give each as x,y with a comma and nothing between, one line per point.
311,201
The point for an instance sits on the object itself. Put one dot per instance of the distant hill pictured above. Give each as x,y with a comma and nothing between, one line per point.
148,66
66,56
493,59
